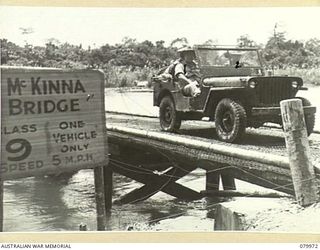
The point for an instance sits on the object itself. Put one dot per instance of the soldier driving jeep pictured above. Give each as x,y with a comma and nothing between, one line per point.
185,72
235,92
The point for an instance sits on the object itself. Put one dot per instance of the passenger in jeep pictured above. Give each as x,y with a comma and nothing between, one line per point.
186,72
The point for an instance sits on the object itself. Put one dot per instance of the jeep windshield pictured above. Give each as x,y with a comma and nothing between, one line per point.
229,61
225,58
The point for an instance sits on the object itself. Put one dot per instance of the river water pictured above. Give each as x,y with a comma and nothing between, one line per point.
63,203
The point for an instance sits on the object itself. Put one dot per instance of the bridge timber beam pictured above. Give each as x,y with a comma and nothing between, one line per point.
154,183
267,170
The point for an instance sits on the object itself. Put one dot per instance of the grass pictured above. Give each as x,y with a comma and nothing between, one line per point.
126,76
309,76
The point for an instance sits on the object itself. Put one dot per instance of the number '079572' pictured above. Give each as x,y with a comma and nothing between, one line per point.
309,246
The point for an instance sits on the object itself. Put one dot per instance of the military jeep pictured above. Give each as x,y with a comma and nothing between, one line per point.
235,93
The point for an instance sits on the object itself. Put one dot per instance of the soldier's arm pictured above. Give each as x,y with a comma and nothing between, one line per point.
182,78
179,74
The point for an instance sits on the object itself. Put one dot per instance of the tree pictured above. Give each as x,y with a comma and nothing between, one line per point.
274,52
245,41
211,42
312,48
94,58
129,42
160,44
10,52
179,42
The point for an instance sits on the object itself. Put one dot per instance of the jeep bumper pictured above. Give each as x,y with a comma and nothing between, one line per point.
275,111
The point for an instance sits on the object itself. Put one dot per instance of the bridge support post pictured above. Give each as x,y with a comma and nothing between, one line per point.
228,182
212,180
303,175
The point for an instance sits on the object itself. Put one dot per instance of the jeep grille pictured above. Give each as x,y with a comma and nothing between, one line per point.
270,91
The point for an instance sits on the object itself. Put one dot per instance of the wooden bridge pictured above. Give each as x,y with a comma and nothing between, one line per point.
159,159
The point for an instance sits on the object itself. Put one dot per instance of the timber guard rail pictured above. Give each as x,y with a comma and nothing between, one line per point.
135,152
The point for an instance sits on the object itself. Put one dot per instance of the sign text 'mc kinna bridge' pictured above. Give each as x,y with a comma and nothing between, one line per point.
38,86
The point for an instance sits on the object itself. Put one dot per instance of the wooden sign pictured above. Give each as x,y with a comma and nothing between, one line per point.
52,121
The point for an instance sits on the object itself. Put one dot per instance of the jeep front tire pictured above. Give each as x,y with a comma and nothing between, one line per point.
230,120
309,118
170,120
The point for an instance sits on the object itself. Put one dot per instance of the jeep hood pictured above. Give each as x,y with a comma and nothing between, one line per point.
230,81
242,81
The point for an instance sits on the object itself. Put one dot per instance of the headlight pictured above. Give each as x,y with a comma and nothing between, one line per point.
252,84
294,84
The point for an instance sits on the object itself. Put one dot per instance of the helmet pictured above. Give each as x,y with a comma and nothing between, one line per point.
185,49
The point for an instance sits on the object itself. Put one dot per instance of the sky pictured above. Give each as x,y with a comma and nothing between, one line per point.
97,26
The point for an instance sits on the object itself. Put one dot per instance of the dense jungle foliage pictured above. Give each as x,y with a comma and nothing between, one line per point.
131,61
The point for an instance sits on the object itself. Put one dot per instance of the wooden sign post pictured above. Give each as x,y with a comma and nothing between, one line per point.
100,199
108,188
303,175
53,121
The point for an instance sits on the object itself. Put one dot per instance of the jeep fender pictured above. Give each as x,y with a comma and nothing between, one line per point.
216,94
163,93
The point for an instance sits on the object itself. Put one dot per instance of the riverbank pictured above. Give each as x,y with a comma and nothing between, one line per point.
272,214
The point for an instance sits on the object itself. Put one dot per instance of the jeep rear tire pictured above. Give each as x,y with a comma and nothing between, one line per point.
230,120
309,118
170,120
